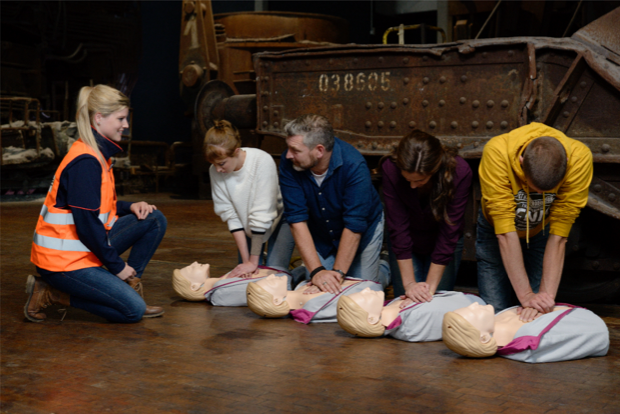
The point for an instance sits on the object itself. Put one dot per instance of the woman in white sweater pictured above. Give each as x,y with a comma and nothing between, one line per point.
246,195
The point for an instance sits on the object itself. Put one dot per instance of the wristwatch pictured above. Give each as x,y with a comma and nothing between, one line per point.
340,271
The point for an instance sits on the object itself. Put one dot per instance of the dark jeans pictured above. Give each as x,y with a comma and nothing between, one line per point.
98,291
421,265
493,283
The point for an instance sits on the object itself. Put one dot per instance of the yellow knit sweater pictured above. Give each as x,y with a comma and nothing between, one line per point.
507,202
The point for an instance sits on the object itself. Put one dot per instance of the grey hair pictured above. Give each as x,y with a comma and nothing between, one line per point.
315,130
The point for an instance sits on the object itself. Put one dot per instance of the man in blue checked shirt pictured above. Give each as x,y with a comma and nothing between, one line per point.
332,208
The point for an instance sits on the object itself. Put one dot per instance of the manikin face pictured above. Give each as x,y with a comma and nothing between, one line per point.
276,286
300,155
112,126
481,317
227,165
416,179
196,273
371,301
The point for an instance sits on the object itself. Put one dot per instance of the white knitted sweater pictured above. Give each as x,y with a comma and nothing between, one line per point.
249,198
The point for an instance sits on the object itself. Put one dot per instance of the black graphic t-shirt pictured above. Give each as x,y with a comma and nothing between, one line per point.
535,209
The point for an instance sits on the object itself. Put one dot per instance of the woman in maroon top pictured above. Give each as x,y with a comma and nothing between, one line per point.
425,189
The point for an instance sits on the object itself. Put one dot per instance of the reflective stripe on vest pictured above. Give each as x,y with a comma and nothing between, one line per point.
64,245
67,218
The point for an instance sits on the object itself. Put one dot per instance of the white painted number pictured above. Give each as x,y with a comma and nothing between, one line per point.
351,81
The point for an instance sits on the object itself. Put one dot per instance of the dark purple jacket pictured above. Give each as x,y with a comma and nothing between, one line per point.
411,224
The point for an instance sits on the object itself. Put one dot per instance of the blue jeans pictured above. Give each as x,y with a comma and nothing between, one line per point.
366,263
96,290
493,283
280,247
421,265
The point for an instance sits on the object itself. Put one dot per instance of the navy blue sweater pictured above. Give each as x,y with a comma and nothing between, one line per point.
80,191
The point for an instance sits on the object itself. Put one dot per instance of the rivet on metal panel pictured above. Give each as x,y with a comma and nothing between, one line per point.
411,124
374,145
380,58
355,60
462,99
425,103
454,124
257,78
276,113
595,264
424,58
490,124
368,124
265,123
426,80
504,103
597,188
611,197
503,124
393,105
475,124
573,99
275,124
380,105
442,102
464,78
490,104
475,104
265,108
368,105
605,148
476,144
468,235
485,54
511,53
380,124
442,79
406,101
406,60
393,124
583,84
566,114
459,145
266,78
432,124
406,81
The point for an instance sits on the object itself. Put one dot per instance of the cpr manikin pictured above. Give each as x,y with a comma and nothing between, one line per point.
567,333
363,314
271,298
194,284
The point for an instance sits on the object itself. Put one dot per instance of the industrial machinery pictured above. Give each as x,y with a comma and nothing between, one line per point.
465,93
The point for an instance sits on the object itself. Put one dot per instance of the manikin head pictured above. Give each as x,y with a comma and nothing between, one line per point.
469,331
360,313
189,281
267,297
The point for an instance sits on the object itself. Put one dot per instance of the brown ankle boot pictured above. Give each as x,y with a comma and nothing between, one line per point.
151,311
40,296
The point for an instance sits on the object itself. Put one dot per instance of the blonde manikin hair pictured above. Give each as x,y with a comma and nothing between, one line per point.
261,302
221,141
461,337
94,99
353,319
183,287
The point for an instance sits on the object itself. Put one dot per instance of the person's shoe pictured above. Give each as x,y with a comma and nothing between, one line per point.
40,296
151,311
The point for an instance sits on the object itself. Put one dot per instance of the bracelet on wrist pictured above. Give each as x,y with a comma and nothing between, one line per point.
315,271
340,271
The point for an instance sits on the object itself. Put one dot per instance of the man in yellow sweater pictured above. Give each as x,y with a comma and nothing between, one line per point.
534,183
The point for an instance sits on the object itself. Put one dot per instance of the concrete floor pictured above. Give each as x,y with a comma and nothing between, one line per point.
199,358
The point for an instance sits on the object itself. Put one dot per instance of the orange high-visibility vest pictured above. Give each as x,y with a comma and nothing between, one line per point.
56,246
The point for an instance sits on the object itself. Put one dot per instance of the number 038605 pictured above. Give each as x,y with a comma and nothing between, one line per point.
359,82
